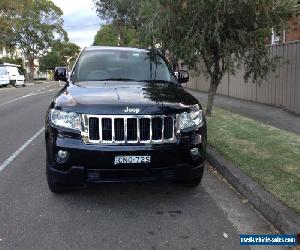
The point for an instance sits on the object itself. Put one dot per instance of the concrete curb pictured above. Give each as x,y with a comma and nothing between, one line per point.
282,217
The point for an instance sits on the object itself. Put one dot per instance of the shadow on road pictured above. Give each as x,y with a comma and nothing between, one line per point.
144,196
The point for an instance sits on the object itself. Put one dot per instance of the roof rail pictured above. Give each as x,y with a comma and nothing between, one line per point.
10,64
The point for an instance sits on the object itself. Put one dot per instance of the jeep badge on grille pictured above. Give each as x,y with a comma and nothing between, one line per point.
131,110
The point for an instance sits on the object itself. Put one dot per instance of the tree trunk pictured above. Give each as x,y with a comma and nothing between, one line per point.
31,69
214,83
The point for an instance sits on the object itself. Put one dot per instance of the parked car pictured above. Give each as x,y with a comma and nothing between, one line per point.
60,74
11,73
124,116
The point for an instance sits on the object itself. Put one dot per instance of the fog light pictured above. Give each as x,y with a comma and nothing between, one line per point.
197,139
62,156
195,153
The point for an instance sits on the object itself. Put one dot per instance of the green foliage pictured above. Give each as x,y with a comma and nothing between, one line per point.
110,35
223,34
7,6
120,12
61,54
33,27
149,31
106,36
133,16
50,61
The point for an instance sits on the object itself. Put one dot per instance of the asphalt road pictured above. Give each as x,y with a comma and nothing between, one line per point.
110,216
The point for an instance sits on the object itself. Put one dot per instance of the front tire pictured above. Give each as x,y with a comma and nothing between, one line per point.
193,182
14,83
53,186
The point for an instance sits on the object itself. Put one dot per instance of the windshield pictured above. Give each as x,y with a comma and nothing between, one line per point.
117,65
3,71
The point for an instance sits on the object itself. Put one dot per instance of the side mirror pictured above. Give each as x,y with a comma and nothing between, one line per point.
182,76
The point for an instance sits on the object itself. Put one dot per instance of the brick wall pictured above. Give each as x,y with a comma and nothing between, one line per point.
293,32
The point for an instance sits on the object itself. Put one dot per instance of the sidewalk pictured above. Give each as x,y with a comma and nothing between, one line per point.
38,82
270,115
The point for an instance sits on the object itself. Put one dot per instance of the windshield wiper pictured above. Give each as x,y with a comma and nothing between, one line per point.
117,79
157,81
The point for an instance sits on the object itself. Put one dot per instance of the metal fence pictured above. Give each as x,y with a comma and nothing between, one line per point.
40,75
281,89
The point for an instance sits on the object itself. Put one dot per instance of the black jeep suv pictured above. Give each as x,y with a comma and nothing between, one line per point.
123,116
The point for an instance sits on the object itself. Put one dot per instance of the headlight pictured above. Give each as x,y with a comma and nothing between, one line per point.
190,120
66,119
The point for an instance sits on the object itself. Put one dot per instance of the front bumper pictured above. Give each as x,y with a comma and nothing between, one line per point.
20,82
4,82
79,175
95,163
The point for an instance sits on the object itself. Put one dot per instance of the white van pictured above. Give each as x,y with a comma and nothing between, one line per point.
10,74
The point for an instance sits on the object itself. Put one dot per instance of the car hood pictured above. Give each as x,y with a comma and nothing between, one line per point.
117,97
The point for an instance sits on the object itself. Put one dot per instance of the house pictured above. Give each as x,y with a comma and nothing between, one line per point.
13,53
289,34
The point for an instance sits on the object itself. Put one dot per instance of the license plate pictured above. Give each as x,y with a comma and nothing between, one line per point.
132,159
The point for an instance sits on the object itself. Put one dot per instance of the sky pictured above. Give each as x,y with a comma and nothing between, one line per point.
80,20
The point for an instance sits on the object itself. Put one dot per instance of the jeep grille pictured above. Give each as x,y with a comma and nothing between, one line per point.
128,129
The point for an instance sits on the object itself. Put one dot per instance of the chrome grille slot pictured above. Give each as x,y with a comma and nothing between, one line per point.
168,128
132,129
156,128
94,128
144,129
106,129
119,129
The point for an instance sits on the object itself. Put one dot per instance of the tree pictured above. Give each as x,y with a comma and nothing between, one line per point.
106,36
109,35
61,54
133,16
50,61
123,15
149,32
7,6
33,28
223,34
120,12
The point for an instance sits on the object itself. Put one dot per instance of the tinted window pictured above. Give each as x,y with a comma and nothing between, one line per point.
113,64
60,71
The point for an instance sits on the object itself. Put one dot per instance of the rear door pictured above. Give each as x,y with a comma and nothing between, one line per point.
13,73
21,77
